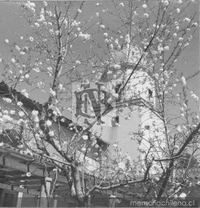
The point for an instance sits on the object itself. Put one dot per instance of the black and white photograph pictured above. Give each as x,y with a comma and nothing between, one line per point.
99,103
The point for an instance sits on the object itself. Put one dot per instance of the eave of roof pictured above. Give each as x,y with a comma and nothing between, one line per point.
27,102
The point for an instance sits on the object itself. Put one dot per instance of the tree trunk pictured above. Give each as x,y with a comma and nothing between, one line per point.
166,179
76,188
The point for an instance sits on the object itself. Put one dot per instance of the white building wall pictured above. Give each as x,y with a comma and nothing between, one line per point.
135,119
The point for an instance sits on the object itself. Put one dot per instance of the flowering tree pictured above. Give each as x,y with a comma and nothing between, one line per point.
63,47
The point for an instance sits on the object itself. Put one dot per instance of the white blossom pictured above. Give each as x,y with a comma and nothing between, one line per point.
117,66
55,109
102,26
34,113
96,146
127,38
5,111
195,24
30,5
182,114
180,39
83,149
37,24
182,195
179,129
42,18
49,69
49,23
166,48
12,112
122,166
25,93
85,137
160,48
96,154
36,119
36,69
146,15
190,38
111,46
178,10
48,123
105,34
52,92
121,4
45,3
78,62
183,80
8,100
13,60
51,133
60,86
194,96
7,117
19,104
79,11
6,41
57,32
166,3
144,6
186,44
49,13
85,36
75,23
21,113
27,76
186,19
17,47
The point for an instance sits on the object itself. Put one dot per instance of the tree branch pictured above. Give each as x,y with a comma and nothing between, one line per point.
145,178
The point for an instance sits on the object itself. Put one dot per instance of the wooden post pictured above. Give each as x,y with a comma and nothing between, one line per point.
44,192
19,197
55,201
112,199
89,201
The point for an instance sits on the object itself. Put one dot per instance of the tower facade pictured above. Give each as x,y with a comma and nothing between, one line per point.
127,119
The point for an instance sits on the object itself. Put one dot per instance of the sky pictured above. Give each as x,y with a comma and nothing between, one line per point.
12,27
